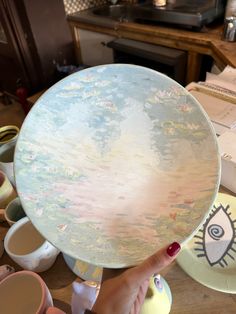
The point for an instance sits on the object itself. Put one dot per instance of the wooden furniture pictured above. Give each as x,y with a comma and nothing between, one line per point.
32,99
34,38
196,44
189,297
168,60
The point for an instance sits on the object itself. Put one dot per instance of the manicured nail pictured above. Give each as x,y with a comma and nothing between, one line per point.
173,249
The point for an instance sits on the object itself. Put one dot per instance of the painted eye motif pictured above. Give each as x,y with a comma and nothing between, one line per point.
158,283
217,237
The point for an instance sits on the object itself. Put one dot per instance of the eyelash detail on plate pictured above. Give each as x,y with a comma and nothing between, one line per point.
217,237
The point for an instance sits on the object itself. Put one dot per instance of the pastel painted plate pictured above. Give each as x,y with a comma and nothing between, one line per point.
115,161
210,256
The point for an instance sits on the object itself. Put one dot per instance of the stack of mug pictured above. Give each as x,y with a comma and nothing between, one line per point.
23,291
8,138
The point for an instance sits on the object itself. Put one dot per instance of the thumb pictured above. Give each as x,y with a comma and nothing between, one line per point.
155,263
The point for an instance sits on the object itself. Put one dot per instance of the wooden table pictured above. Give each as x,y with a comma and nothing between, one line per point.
189,297
196,44
206,42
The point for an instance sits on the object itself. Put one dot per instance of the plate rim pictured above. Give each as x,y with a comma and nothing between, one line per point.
188,94
186,253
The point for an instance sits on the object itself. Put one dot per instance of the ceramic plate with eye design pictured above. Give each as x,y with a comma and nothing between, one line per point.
104,160
210,256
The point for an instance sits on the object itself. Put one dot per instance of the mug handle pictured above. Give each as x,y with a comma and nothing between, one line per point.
54,310
2,215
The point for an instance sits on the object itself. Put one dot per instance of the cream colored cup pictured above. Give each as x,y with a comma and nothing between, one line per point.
8,133
6,160
7,192
25,292
13,212
26,246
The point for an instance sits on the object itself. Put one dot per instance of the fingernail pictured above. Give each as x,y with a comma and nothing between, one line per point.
173,249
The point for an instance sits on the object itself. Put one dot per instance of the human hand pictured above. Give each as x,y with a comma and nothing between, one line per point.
125,293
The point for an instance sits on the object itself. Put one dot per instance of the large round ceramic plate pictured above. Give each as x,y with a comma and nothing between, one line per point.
209,257
115,161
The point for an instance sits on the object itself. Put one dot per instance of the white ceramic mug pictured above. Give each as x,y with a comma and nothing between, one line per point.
13,212
25,292
7,192
6,160
26,246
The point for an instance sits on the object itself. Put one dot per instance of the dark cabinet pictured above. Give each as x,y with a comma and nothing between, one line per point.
169,61
34,38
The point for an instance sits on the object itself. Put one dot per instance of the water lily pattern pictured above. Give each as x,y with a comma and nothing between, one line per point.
114,161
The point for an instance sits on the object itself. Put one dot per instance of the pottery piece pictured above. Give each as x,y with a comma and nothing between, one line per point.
7,192
84,296
158,298
8,133
6,160
121,159
84,270
26,246
13,212
209,257
24,292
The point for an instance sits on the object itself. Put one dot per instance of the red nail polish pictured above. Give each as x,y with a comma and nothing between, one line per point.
173,249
